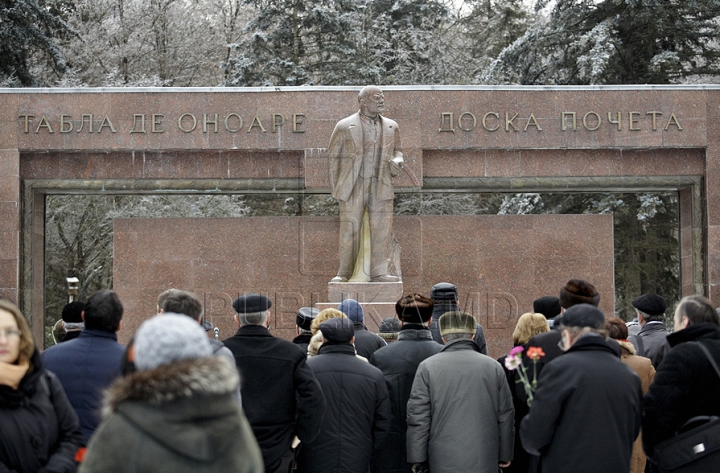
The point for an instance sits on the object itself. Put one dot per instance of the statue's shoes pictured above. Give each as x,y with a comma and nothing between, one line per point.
385,278
339,279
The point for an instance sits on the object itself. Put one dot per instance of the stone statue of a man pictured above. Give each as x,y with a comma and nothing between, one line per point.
365,154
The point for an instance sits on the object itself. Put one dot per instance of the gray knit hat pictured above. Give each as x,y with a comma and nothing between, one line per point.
169,338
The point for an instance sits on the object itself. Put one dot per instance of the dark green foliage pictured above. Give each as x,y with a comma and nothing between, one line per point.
494,25
323,42
614,42
293,42
28,32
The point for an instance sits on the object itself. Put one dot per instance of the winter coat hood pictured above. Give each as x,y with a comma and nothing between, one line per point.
179,406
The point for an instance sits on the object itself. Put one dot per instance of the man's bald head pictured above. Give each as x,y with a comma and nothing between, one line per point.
372,101
369,91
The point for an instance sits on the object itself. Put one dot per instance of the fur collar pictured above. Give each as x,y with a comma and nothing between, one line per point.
167,383
626,346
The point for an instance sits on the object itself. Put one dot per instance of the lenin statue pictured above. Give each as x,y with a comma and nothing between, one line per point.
364,155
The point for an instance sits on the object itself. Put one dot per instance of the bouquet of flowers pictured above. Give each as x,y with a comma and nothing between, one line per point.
514,362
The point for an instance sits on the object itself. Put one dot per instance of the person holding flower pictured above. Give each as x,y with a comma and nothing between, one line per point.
585,414
528,325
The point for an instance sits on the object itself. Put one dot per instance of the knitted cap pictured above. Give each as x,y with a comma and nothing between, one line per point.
352,309
169,338
457,322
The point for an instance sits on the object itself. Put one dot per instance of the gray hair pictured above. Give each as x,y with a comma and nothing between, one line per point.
253,318
458,336
577,332
651,318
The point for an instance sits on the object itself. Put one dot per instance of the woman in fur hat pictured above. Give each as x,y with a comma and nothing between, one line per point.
617,330
39,430
178,412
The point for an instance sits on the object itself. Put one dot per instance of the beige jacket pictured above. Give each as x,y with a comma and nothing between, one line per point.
644,368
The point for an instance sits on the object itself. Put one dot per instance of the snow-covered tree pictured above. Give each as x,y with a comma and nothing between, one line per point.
341,43
614,42
401,39
492,25
295,42
29,30
124,43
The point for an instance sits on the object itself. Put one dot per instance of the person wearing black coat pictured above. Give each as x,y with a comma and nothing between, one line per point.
358,410
280,395
586,412
399,361
574,292
303,321
528,325
39,430
366,342
685,384
445,296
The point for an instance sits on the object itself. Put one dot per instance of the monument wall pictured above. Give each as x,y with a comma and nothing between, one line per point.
456,139
500,263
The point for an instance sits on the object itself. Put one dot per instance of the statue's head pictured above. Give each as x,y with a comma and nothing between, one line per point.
372,100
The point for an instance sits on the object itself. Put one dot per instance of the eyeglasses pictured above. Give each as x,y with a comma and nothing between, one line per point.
9,333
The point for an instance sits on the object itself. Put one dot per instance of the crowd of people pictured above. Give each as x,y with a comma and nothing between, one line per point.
579,392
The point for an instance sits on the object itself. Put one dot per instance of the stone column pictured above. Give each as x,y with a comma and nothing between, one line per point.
9,199
712,193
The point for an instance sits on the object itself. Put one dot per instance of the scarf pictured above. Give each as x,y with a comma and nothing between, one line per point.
11,375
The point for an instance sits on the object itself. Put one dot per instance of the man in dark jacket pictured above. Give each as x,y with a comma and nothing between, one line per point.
88,364
303,321
685,384
366,342
586,412
575,291
280,395
445,298
549,306
399,361
650,341
358,411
